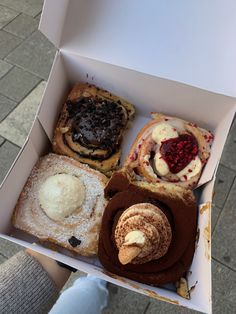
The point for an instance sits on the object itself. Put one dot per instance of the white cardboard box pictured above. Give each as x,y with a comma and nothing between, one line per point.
141,51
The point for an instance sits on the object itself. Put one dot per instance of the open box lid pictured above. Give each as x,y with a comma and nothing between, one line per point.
185,41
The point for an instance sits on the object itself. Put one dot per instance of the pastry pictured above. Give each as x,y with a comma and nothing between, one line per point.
142,234
148,230
91,127
170,149
63,202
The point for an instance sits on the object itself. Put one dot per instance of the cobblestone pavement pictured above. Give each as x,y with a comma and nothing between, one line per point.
25,60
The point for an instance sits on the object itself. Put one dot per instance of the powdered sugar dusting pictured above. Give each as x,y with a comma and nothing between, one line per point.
84,225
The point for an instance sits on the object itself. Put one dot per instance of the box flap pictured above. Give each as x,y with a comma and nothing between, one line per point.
220,132
52,20
14,181
184,41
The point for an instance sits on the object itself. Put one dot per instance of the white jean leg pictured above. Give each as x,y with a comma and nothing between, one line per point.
88,295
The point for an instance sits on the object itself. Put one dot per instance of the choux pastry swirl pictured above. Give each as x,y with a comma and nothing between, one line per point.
136,245
143,233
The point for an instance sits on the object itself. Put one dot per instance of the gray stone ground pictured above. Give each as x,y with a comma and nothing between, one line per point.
25,60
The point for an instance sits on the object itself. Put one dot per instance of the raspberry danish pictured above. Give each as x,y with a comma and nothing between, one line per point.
170,149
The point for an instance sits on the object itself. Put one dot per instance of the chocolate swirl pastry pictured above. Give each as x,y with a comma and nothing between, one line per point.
170,149
91,127
95,127
148,230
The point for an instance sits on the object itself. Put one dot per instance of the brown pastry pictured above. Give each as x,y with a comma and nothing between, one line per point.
63,202
91,127
148,230
170,149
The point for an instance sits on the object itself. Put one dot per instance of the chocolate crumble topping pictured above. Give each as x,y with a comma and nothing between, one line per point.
96,122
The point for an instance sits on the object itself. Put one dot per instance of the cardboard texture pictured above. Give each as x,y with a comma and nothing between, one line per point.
80,31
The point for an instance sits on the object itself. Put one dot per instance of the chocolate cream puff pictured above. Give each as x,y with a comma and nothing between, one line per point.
148,230
170,149
63,202
91,127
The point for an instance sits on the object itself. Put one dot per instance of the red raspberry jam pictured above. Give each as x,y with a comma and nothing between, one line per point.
179,152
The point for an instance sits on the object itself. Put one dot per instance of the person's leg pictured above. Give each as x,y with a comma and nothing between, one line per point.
88,295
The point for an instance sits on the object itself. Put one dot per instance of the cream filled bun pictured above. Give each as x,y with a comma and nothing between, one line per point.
61,195
63,202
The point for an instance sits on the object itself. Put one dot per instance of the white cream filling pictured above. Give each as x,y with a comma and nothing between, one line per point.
61,195
162,132
135,237
161,166
191,170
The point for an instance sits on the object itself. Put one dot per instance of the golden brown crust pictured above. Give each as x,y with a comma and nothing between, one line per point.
85,225
204,153
62,142
121,180
129,160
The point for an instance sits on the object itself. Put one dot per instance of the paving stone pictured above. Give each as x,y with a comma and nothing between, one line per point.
215,213
38,17
6,106
6,15
17,83
223,244
30,7
1,140
8,248
7,43
224,180
124,301
22,26
8,154
224,295
229,154
2,258
35,54
17,125
224,289
164,308
4,68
